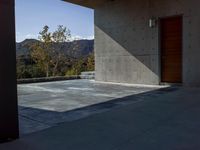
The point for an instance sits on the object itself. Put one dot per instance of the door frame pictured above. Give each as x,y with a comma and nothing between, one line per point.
160,49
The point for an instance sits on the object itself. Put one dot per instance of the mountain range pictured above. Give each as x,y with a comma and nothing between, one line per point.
74,49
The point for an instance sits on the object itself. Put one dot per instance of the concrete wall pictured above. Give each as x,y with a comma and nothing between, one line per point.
8,85
127,49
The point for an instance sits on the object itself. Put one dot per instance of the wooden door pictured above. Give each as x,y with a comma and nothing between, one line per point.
171,50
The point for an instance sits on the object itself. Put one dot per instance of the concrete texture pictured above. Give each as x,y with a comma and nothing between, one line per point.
46,79
88,75
164,119
127,50
43,105
8,86
87,3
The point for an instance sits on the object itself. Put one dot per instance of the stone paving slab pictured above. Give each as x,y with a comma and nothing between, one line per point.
164,119
52,103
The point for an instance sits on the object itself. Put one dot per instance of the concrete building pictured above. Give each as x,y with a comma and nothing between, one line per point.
8,85
146,41
136,41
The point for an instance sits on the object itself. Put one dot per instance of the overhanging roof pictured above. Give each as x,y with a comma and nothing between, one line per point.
87,3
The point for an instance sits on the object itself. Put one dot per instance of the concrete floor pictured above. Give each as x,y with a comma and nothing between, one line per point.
161,119
43,105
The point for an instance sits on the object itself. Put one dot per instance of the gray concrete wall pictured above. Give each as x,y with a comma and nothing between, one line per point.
8,85
127,49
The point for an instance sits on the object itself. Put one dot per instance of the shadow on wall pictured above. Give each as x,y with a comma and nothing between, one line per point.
34,120
126,47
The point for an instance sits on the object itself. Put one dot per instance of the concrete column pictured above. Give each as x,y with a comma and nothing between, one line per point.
8,87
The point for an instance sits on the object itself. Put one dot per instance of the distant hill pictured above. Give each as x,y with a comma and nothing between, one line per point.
74,49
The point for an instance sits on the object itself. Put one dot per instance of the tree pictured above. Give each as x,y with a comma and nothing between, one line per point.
51,58
58,58
78,67
40,51
21,68
25,70
91,62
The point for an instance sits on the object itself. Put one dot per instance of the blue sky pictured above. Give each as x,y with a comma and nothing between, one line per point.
32,15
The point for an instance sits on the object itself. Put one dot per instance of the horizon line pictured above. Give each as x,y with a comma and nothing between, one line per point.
65,41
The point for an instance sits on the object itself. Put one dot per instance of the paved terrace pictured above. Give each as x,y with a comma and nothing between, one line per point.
128,118
43,105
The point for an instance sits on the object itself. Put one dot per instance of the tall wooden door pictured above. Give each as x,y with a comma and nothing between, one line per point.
171,50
